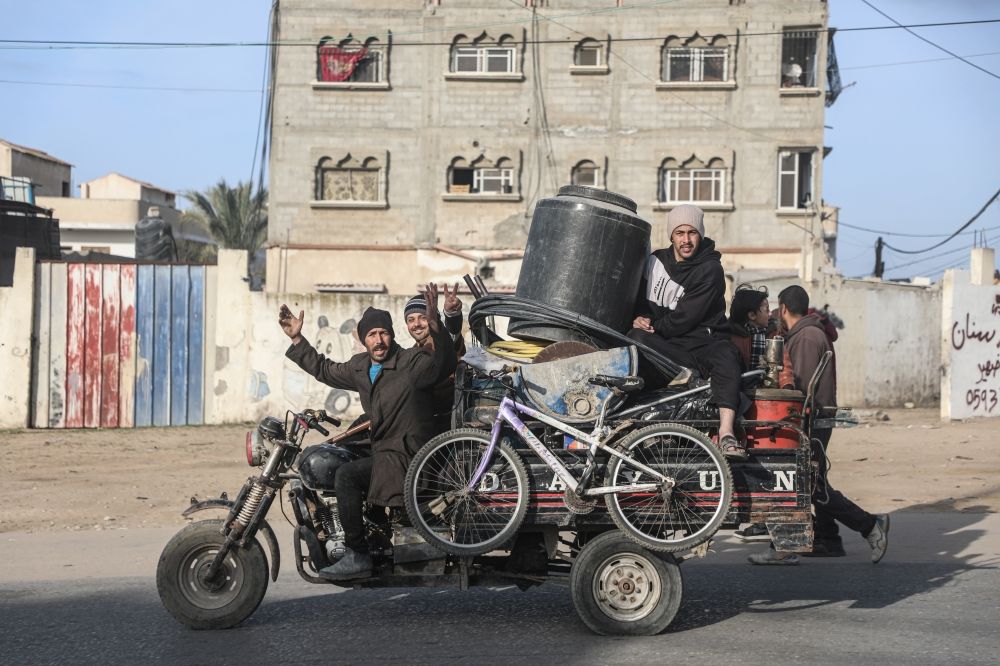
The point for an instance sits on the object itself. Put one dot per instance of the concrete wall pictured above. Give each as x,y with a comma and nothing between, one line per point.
47,176
970,344
622,120
889,351
250,376
15,342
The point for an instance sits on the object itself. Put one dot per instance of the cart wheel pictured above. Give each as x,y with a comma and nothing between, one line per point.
621,588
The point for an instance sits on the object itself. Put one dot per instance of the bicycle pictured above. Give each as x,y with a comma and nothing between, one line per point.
667,486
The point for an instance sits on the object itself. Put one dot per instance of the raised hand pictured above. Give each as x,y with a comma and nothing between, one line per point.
430,293
452,303
291,325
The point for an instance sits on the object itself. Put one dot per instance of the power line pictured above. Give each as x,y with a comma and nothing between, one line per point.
918,62
883,232
66,84
627,84
49,44
954,234
934,44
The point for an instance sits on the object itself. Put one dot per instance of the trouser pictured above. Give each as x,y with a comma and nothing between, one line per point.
711,356
351,485
829,504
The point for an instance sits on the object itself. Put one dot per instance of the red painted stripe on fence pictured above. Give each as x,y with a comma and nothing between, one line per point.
126,346
92,347
110,309
75,336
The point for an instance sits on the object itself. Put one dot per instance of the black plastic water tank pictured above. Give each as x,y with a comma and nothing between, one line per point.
586,252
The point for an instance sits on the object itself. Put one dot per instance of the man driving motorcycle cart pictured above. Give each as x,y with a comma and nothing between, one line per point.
395,386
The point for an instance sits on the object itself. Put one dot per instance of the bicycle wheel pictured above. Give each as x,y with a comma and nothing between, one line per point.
453,518
680,517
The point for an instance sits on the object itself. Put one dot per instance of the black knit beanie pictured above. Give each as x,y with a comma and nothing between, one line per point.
374,318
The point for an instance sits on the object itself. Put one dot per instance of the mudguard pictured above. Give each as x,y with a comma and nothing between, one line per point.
265,528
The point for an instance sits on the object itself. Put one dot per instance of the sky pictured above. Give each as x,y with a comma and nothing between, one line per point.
916,147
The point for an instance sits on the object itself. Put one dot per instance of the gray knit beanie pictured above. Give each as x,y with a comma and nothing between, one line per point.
686,214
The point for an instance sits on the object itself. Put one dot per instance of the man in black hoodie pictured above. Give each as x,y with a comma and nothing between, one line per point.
681,312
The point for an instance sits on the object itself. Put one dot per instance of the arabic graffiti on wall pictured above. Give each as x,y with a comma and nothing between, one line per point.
974,352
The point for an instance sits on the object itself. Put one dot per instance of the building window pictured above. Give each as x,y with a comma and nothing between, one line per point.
586,173
695,60
484,56
350,182
351,61
798,58
795,179
589,53
481,177
693,181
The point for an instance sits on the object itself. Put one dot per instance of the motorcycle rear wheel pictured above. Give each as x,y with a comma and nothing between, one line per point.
194,602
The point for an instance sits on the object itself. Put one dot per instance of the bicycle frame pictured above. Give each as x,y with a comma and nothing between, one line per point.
508,413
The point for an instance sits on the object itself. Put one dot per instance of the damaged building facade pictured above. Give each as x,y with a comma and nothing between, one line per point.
412,138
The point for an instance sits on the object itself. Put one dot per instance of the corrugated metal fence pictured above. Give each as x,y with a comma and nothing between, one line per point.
118,345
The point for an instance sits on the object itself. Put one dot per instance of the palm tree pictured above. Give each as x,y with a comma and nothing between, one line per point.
237,218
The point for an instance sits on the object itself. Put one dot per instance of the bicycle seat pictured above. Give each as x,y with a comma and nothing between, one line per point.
618,383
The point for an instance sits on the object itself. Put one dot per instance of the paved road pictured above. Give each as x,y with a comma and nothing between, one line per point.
90,598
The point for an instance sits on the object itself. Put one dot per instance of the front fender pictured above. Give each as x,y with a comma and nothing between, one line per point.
265,528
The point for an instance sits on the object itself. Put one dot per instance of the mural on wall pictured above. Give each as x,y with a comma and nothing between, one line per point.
973,349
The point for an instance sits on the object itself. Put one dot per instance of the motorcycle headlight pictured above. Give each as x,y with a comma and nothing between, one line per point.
256,449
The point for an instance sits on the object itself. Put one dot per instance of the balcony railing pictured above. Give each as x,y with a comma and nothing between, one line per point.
17,189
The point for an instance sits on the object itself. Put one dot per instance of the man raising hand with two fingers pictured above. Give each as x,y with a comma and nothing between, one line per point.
395,386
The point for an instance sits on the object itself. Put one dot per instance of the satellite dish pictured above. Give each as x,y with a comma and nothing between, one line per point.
792,70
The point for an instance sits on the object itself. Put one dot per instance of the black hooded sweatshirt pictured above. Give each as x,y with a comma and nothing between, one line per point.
684,298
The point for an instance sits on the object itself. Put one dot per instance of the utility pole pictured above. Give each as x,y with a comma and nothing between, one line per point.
879,264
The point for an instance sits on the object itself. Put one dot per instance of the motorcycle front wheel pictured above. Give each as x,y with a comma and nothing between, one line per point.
201,604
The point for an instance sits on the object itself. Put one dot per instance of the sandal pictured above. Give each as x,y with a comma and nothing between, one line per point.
731,448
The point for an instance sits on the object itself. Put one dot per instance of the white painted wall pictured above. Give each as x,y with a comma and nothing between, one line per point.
970,346
889,352
15,341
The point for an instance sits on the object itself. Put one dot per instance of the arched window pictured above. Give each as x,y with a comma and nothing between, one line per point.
350,60
695,59
350,180
589,53
586,173
481,176
483,55
693,181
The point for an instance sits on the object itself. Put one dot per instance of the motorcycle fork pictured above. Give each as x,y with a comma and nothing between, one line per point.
235,531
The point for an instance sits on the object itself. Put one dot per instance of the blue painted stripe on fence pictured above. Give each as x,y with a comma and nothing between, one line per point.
196,350
179,346
144,347
161,346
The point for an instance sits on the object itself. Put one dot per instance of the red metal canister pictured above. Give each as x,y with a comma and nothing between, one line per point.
774,405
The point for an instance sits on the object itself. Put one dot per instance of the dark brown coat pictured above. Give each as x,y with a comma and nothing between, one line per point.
806,344
400,403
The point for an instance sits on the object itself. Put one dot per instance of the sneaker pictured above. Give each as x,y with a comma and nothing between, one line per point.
731,448
826,549
352,565
773,558
754,532
878,537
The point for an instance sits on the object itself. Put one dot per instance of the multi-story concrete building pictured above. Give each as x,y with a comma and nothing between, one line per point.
411,138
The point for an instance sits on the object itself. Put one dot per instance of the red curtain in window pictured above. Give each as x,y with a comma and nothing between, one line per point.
337,64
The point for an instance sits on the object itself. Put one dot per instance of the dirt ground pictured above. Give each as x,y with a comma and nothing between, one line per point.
121,479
